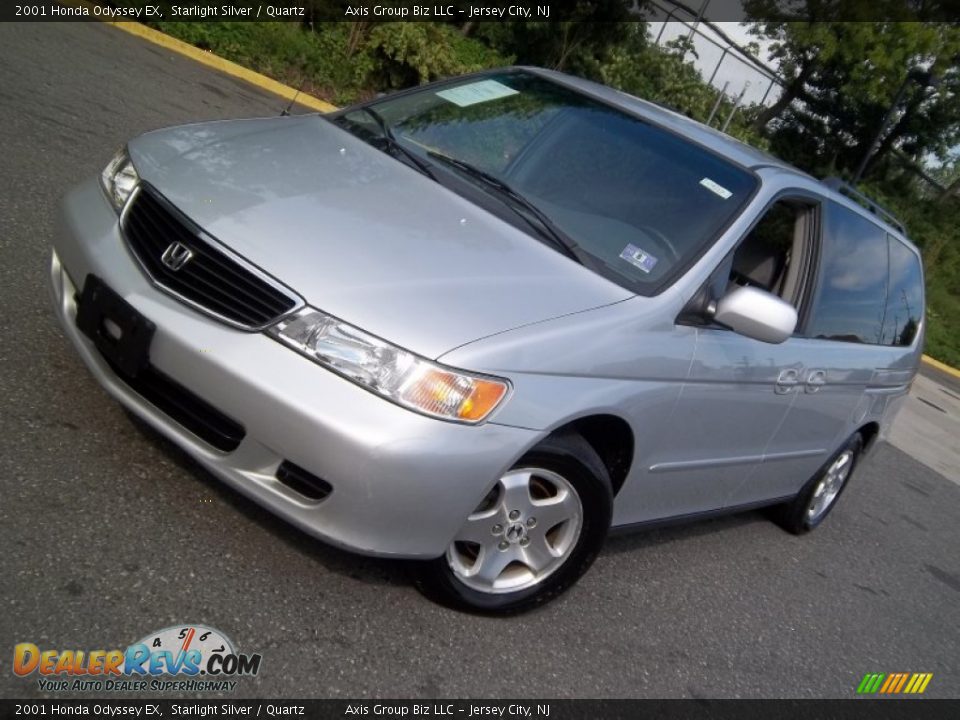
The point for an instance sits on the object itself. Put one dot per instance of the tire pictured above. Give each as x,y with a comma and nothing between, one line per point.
820,493
503,563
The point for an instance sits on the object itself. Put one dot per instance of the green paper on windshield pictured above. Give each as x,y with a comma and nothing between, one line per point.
477,92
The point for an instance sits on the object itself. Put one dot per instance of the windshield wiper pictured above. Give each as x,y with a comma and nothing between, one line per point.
394,145
547,228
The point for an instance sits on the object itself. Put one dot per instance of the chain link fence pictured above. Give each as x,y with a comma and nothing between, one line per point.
726,65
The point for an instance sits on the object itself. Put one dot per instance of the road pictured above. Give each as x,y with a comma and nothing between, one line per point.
110,532
928,426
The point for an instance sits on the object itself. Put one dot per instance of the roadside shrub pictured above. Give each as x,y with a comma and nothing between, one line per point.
404,54
342,62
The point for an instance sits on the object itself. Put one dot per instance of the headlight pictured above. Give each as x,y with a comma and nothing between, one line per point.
390,371
119,178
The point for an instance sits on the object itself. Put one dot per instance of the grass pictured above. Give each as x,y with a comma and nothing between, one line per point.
282,51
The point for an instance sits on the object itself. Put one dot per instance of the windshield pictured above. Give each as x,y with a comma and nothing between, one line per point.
641,202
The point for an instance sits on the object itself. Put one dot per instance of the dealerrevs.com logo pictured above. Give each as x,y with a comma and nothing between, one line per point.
182,658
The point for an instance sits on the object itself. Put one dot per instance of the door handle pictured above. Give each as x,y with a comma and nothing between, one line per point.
787,381
816,379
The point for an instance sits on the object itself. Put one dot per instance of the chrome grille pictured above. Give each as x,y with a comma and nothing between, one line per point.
211,279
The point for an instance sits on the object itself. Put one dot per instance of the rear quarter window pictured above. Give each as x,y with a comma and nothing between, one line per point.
904,309
851,298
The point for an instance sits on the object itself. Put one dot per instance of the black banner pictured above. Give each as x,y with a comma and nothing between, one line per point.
460,11
854,709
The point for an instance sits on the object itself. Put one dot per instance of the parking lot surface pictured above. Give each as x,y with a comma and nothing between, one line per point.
109,532
928,426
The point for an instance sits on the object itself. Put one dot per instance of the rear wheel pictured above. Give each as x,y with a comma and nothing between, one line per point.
537,531
817,498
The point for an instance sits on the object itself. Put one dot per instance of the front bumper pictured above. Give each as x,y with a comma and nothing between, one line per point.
402,483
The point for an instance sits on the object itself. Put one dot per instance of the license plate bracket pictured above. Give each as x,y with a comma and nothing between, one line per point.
119,331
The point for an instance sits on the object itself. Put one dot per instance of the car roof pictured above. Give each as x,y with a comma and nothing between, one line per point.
719,142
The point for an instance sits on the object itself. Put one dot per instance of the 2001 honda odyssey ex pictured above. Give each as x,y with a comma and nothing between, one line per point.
481,322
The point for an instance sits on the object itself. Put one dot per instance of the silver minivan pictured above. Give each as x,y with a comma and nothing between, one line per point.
484,321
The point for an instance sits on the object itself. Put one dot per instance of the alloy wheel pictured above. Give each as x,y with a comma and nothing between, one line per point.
830,485
520,534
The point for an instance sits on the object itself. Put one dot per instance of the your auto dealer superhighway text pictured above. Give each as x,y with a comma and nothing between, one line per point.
470,711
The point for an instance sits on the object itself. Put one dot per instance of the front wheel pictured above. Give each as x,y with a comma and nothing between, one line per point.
534,534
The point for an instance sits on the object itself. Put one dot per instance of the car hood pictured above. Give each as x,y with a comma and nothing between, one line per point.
361,235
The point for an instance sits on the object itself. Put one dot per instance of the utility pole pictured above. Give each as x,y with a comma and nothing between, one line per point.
735,106
716,105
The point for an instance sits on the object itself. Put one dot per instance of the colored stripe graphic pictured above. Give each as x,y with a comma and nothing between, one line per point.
894,683
870,683
890,683
918,683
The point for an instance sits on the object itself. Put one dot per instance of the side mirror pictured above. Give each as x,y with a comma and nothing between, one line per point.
756,314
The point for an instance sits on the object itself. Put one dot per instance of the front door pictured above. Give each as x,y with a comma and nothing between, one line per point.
738,392
736,398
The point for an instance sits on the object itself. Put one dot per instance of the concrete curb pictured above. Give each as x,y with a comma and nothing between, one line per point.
214,61
942,367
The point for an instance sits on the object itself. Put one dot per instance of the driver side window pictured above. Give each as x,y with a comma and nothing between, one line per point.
777,254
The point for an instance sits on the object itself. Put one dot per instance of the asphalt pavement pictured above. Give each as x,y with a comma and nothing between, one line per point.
928,425
109,532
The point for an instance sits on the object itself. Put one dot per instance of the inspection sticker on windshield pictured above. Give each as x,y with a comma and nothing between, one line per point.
478,92
638,258
716,188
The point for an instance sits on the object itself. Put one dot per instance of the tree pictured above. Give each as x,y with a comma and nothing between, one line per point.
948,174
841,78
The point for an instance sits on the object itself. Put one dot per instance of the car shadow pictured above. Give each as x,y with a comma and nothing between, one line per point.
622,541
